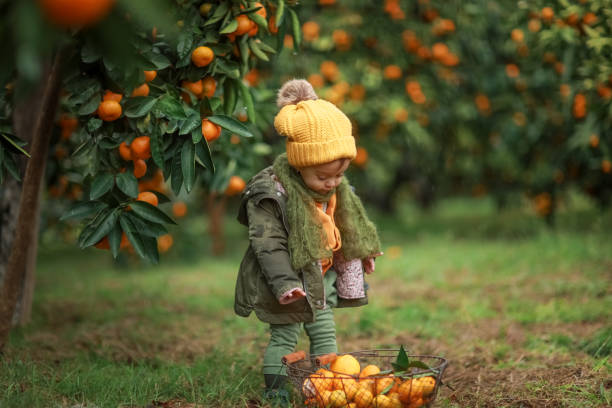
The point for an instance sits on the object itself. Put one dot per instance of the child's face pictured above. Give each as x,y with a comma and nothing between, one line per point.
325,177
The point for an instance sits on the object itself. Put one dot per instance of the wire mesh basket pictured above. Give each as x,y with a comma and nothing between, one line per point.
365,379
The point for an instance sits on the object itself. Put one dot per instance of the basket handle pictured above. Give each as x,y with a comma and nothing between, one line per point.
325,359
293,357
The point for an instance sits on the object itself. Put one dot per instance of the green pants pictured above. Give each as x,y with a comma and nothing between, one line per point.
321,332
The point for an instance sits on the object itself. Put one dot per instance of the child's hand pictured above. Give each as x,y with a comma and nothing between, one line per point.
369,264
291,296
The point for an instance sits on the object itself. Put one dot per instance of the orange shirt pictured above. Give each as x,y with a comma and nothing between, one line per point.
334,242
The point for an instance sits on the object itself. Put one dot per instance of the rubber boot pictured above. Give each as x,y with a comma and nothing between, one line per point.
275,392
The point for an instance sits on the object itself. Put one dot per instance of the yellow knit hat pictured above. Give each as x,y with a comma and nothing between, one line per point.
317,131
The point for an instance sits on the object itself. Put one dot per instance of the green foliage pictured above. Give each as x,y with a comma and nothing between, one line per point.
112,55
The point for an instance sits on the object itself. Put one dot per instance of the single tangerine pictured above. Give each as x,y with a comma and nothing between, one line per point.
361,158
262,11
140,168
245,24
179,209
209,87
125,152
75,13
109,111
141,148
329,69
193,87
164,243
345,364
202,56
272,25
369,369
142,90
150,75
148,197
210,131
112,96
235,186
392,72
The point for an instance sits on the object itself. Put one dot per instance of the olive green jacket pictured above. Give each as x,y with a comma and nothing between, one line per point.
265,271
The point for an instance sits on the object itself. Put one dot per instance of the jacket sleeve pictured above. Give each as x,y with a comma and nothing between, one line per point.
268,238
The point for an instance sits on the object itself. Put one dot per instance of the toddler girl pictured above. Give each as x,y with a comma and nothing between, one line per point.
310,238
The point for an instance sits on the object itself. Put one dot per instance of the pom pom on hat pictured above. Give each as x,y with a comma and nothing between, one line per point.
294,91
317,131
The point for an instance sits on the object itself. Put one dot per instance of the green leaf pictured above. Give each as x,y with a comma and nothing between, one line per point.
127,183
188,164
83,148
161,197
265,47
114,240
157,148
92,226
388,388
89,53
146,228
243,46
170,107
229,28
253,45
11,166
101,185
402,360
191,123
139,106
219,13
151,213
280,13
297,33
83,210
90,106
229,96
185,42
231,124
245,93
94,124
229,68
196,135
159,61
16,145
203,153
103,228
142,245
259,20
176,178
280,38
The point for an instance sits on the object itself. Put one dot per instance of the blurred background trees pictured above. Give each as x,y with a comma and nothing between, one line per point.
501,98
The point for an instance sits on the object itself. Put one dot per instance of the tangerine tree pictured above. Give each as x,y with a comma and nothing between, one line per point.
124,99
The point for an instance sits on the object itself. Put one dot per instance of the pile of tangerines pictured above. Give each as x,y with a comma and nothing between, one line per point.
345,384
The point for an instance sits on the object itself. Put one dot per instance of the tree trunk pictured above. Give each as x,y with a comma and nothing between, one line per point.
216,207
26,227
24,128
9,210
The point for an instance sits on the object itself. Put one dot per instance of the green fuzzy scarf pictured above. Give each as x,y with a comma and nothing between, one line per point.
307,240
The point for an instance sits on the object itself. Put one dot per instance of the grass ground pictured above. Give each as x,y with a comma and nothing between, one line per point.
523,314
